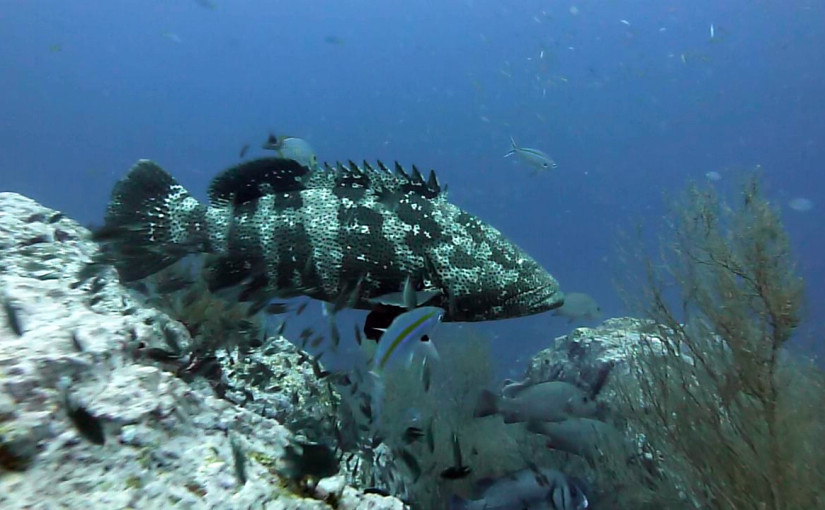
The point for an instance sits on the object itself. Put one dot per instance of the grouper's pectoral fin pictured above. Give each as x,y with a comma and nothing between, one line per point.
248,274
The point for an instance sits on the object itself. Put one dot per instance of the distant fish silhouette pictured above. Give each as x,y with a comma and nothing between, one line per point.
334,39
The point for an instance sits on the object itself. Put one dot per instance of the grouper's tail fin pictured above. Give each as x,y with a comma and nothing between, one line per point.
151,222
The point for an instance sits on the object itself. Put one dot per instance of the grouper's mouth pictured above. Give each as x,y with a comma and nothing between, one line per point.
537,299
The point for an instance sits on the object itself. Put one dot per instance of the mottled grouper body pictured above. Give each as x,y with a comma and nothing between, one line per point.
280,229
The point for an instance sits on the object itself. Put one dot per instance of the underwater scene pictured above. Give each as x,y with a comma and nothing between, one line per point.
438,255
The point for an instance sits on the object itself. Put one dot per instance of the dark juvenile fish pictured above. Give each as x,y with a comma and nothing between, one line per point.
97,285
286,230
430,436
172,283
411,463
85,422
317,369
315,342
255,307
304,459
76,343
366,409
43,238
171,339
208,367
276,308
61,235
334,334
279,331
412,434
376,490
238,460
458,470
12,316
158,354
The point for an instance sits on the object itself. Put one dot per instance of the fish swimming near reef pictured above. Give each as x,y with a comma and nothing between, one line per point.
534,158
529,488
294,148
408,333
276,228
579,306
547,401
582,436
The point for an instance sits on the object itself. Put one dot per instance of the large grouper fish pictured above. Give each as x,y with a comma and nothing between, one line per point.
280,229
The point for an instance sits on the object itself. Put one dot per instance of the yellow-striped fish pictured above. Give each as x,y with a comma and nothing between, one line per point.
407,333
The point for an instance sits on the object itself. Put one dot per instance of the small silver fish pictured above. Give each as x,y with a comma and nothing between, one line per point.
534,158
290,147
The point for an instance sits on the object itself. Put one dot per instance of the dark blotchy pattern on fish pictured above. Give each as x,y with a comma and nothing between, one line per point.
282,229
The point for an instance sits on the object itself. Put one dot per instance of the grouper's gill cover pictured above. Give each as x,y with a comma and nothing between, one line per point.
281,229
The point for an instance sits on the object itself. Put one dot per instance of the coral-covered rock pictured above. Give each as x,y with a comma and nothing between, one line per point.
587,356
69,370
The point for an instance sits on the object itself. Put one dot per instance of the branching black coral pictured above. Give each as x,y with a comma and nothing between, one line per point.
713,390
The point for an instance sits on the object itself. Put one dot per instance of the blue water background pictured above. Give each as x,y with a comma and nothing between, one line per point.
628,110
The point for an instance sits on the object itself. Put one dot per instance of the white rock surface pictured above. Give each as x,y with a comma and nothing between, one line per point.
166,442
587,356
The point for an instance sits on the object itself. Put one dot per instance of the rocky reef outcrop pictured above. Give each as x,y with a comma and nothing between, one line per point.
87,421
586,356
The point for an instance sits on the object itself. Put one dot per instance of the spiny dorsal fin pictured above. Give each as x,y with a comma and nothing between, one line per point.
416,175
415,182
399,171
351,175
432,181
368,167
327,167
340,171
254,178
383,167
